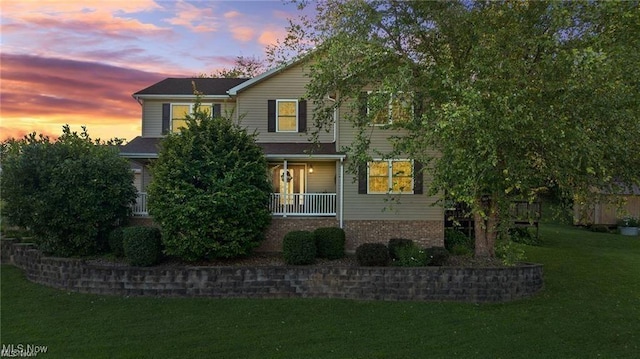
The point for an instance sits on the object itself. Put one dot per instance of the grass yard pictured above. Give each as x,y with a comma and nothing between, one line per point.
590,308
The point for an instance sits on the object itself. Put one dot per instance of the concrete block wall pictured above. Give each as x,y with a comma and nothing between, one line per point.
362,283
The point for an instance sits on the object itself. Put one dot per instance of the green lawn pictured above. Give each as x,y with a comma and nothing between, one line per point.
590,308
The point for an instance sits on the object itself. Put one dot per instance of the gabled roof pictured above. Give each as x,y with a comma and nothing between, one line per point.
265,75
183,87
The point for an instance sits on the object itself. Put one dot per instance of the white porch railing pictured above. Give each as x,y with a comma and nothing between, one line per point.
140,207
303,204
295,204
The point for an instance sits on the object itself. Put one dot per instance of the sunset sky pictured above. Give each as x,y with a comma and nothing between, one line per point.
78,62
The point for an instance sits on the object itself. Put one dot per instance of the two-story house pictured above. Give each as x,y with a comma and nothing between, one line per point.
312,187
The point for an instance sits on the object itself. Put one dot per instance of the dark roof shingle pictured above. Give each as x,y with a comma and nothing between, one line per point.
183,86
140,147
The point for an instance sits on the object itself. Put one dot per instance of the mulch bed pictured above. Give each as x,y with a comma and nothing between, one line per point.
275,259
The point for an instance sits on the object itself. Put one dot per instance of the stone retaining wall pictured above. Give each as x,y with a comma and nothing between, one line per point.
361,283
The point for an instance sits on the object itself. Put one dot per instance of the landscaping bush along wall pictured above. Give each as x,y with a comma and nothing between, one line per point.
361,283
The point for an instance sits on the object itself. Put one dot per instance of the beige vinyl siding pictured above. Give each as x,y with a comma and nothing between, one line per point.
381,206
322,180
286,85
152,114
152,118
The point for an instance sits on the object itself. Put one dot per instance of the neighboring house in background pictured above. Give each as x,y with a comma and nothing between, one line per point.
311,186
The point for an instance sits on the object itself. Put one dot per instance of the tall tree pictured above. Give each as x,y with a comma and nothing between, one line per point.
517,97
244,67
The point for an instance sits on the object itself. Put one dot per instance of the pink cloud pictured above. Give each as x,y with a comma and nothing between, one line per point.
271,35
242,33
194,18
231,14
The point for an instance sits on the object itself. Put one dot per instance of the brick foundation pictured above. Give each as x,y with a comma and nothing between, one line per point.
280,226
423,233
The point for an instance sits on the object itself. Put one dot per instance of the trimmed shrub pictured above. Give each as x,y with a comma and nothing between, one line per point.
372,255
461,250
454,237
299,248
437,256
397,243
210,189
330,242
69,192
115,242
411,256
142,245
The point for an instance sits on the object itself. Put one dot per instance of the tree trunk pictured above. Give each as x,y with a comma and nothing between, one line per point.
485,228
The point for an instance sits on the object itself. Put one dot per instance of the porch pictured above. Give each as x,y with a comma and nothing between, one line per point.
280,204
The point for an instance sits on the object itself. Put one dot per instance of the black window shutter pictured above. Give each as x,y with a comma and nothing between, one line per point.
271,115
217,110
418,178
362,107
302,116
166,118
362,179
418,103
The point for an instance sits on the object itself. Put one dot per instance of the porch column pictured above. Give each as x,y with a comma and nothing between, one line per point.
286,189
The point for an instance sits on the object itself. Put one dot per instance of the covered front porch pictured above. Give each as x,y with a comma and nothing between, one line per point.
303,188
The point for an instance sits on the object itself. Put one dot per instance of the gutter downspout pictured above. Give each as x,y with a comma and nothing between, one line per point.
341,218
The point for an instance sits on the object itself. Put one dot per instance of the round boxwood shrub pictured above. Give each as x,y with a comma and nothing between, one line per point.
372,255
395,244
299,248
437,256
142,245
115,242
330,242
454,237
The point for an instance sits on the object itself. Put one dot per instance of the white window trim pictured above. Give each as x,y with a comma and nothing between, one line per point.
389,107
191,105
278,115
390,175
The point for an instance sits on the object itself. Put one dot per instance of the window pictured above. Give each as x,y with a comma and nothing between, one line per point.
384,108
286,115
179,112
393,176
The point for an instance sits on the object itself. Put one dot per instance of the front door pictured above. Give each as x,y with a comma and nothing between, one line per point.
290,185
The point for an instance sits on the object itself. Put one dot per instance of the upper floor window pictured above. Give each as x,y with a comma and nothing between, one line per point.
384,108
390,176
179,112
287,115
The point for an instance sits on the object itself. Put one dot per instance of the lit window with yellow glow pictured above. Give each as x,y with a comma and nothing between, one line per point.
179,113
287,116
390,176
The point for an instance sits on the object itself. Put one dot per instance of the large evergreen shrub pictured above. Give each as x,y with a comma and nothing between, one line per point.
69,192
210,190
